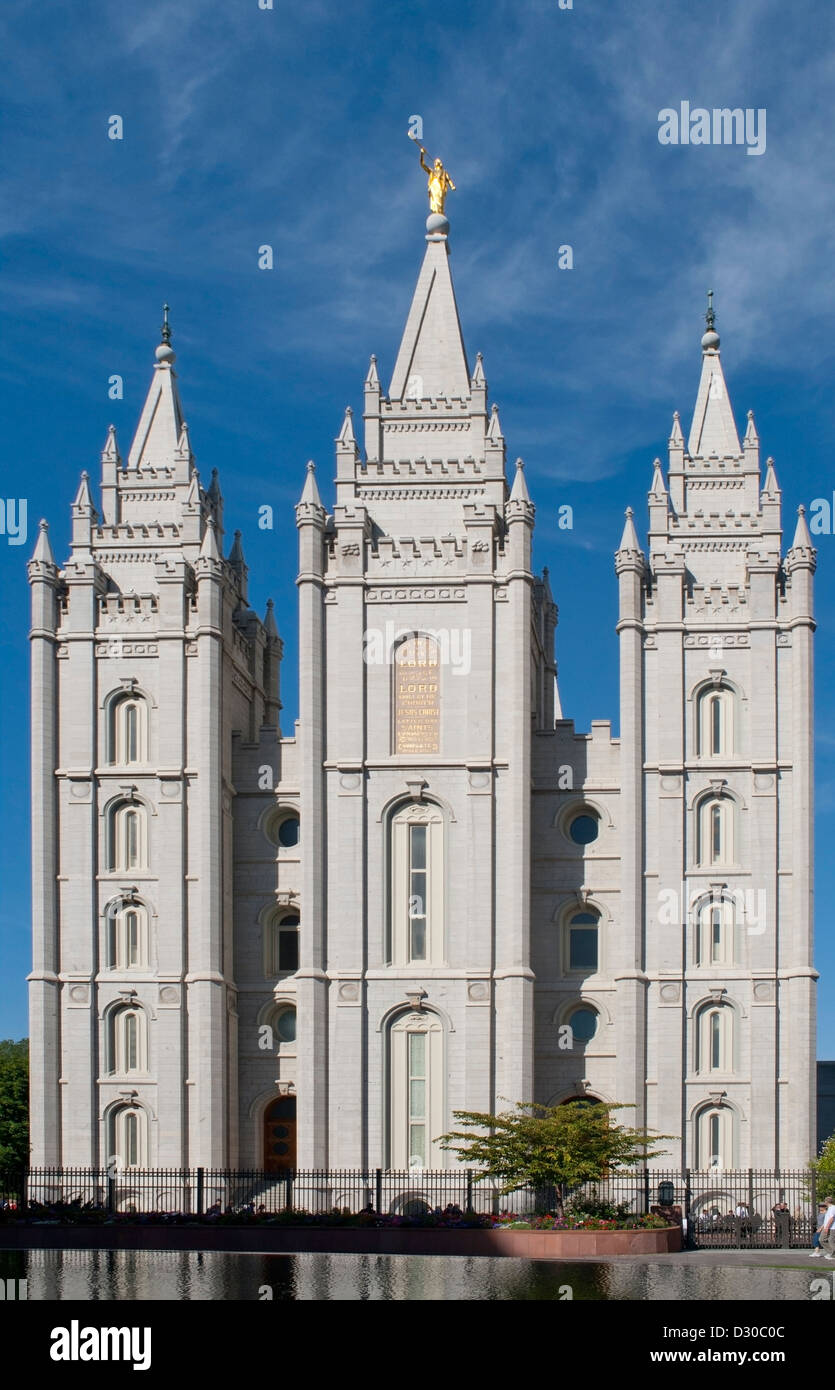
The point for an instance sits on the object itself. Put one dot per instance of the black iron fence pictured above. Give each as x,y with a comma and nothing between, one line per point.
718,1208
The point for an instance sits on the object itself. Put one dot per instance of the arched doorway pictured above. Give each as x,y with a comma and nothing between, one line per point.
280,1135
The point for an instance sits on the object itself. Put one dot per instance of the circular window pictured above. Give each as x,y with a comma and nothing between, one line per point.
286,1025
584,828
583,1024
288,832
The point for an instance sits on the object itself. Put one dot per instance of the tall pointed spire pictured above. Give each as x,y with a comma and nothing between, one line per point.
310,491
629,543
159,434
209,549
713,430
519,491
43,548
432,361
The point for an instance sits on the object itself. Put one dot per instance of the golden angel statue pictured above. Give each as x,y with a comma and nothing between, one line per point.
439,182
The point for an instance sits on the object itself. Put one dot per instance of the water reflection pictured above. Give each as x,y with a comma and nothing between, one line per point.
136,1275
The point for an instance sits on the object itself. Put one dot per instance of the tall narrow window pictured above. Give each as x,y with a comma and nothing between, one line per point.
127,1136
127,837
715,719
715,935
281,942
127,1040
417,1100
715,1142
127,936
131,840
128,730
715,1039
714,1136
583,932
714,932
416,1104
131,1139
715,726
416,886
131,733
131,1027
132,943
716,823
417,892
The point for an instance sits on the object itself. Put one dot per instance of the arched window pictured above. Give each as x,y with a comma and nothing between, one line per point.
416,893
281,945
714,1135
715,720
128,730
716,831
128,1136
715,932
416,1084
715,1039
127,1041
127,947
582,944
127,846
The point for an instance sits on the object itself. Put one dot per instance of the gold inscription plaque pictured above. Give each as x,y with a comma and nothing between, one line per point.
417,696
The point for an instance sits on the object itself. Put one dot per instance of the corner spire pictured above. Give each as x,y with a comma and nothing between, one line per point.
629,543
519,491
310,491
43,548
269,620
209,549
346,434
802,539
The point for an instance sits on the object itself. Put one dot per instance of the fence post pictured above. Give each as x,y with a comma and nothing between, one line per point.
111,1193
687,1198
201,1175
646,1191
288,1190
378,1191
469,1190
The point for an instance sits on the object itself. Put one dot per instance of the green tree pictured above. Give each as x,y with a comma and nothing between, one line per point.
14,1104
824,1166
558,1146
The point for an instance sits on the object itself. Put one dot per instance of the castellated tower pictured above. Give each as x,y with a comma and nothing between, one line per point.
145,659
684,908
423,667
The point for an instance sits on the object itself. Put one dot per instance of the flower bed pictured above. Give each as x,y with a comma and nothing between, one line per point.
449,1232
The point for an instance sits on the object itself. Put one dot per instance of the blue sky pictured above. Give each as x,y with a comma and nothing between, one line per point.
288,126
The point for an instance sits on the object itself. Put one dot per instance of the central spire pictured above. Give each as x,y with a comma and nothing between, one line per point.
432,361
713,431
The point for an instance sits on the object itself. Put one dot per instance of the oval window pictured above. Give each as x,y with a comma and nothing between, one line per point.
288,832
286,1025
583,1024
584,828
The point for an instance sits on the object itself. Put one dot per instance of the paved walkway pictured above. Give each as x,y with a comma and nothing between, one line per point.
762,1259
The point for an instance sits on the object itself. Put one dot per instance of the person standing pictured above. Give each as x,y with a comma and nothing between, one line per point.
817,1253
827,1236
